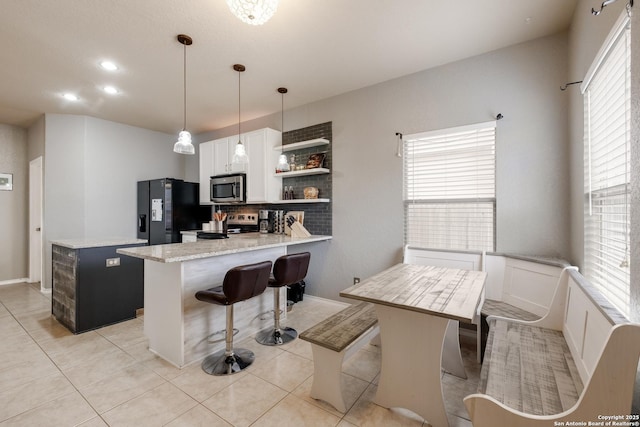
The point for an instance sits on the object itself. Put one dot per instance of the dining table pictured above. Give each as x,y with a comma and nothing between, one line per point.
414,305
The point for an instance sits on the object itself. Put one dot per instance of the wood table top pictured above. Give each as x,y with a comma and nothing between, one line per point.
444,292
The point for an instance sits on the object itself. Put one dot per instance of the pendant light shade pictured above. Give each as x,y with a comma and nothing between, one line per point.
184,145
253,12
240,158
282,166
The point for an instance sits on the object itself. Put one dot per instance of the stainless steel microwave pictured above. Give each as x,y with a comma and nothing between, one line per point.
230,188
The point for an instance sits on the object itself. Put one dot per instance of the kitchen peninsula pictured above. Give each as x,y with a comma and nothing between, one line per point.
177,325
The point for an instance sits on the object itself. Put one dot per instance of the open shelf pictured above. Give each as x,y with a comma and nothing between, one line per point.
303,172
282,202
302,144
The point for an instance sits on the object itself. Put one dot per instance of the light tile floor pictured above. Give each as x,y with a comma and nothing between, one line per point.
48,376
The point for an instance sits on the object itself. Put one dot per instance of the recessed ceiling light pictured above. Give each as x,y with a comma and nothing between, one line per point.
108,65
70,97
110,90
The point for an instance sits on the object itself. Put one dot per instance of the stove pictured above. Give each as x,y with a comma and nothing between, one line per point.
246,222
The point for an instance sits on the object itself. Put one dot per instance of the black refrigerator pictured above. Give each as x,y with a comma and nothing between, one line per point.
167,206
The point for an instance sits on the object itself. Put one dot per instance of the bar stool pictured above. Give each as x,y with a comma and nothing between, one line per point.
287,270
240,283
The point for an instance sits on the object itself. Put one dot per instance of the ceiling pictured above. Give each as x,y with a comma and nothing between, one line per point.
315,48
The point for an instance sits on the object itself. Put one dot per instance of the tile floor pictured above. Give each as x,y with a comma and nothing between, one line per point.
51,377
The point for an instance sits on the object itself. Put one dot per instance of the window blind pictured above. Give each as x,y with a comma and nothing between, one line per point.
449,188
607,109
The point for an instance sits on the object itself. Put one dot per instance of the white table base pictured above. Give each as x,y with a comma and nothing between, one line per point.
411,354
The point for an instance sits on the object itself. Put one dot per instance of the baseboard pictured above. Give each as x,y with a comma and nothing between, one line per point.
13,281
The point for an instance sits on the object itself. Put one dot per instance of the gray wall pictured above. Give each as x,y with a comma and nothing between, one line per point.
14,205
521,82
91,170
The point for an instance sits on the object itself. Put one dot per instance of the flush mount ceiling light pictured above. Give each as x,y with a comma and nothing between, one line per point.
110,90
108,65
184,145
240,157
70,97
253,12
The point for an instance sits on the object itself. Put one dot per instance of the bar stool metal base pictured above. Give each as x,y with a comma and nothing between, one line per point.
276,337
219,363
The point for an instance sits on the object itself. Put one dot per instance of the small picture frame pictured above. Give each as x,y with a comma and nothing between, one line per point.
315,161
6,181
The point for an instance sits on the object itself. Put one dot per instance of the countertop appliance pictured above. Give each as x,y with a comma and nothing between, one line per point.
231,188
167,206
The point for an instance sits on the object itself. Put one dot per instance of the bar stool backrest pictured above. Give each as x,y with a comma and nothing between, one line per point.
246,281
290,269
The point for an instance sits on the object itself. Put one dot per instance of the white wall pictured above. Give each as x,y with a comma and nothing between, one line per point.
91,170
521,82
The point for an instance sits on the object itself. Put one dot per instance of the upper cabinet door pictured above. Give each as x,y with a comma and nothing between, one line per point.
221,156
206,171
262,186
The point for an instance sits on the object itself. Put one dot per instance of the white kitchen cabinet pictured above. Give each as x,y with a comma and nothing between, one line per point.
262,186
223,155
216,157
206,171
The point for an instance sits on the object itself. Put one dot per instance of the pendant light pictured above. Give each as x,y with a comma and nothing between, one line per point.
282,166
253,12
240,157
184,145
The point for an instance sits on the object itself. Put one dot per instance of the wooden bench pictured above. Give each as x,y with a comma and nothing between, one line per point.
334,340
535,374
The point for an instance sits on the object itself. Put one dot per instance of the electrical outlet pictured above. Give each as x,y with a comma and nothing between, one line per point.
113,262
356,280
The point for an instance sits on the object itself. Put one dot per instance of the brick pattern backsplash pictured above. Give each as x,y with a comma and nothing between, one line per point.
317,216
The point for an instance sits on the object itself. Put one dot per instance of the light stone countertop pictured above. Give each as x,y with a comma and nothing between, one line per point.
97,242
236,243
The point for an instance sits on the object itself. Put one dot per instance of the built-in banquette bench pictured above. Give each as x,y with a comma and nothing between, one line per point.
334,340
536,374
556,348
517,286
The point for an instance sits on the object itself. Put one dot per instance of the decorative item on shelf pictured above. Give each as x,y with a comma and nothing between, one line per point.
253,12
184,145
311,193
315,161
240,157
292,162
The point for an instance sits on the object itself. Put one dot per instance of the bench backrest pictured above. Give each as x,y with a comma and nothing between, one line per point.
588,320
448,259
527,284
